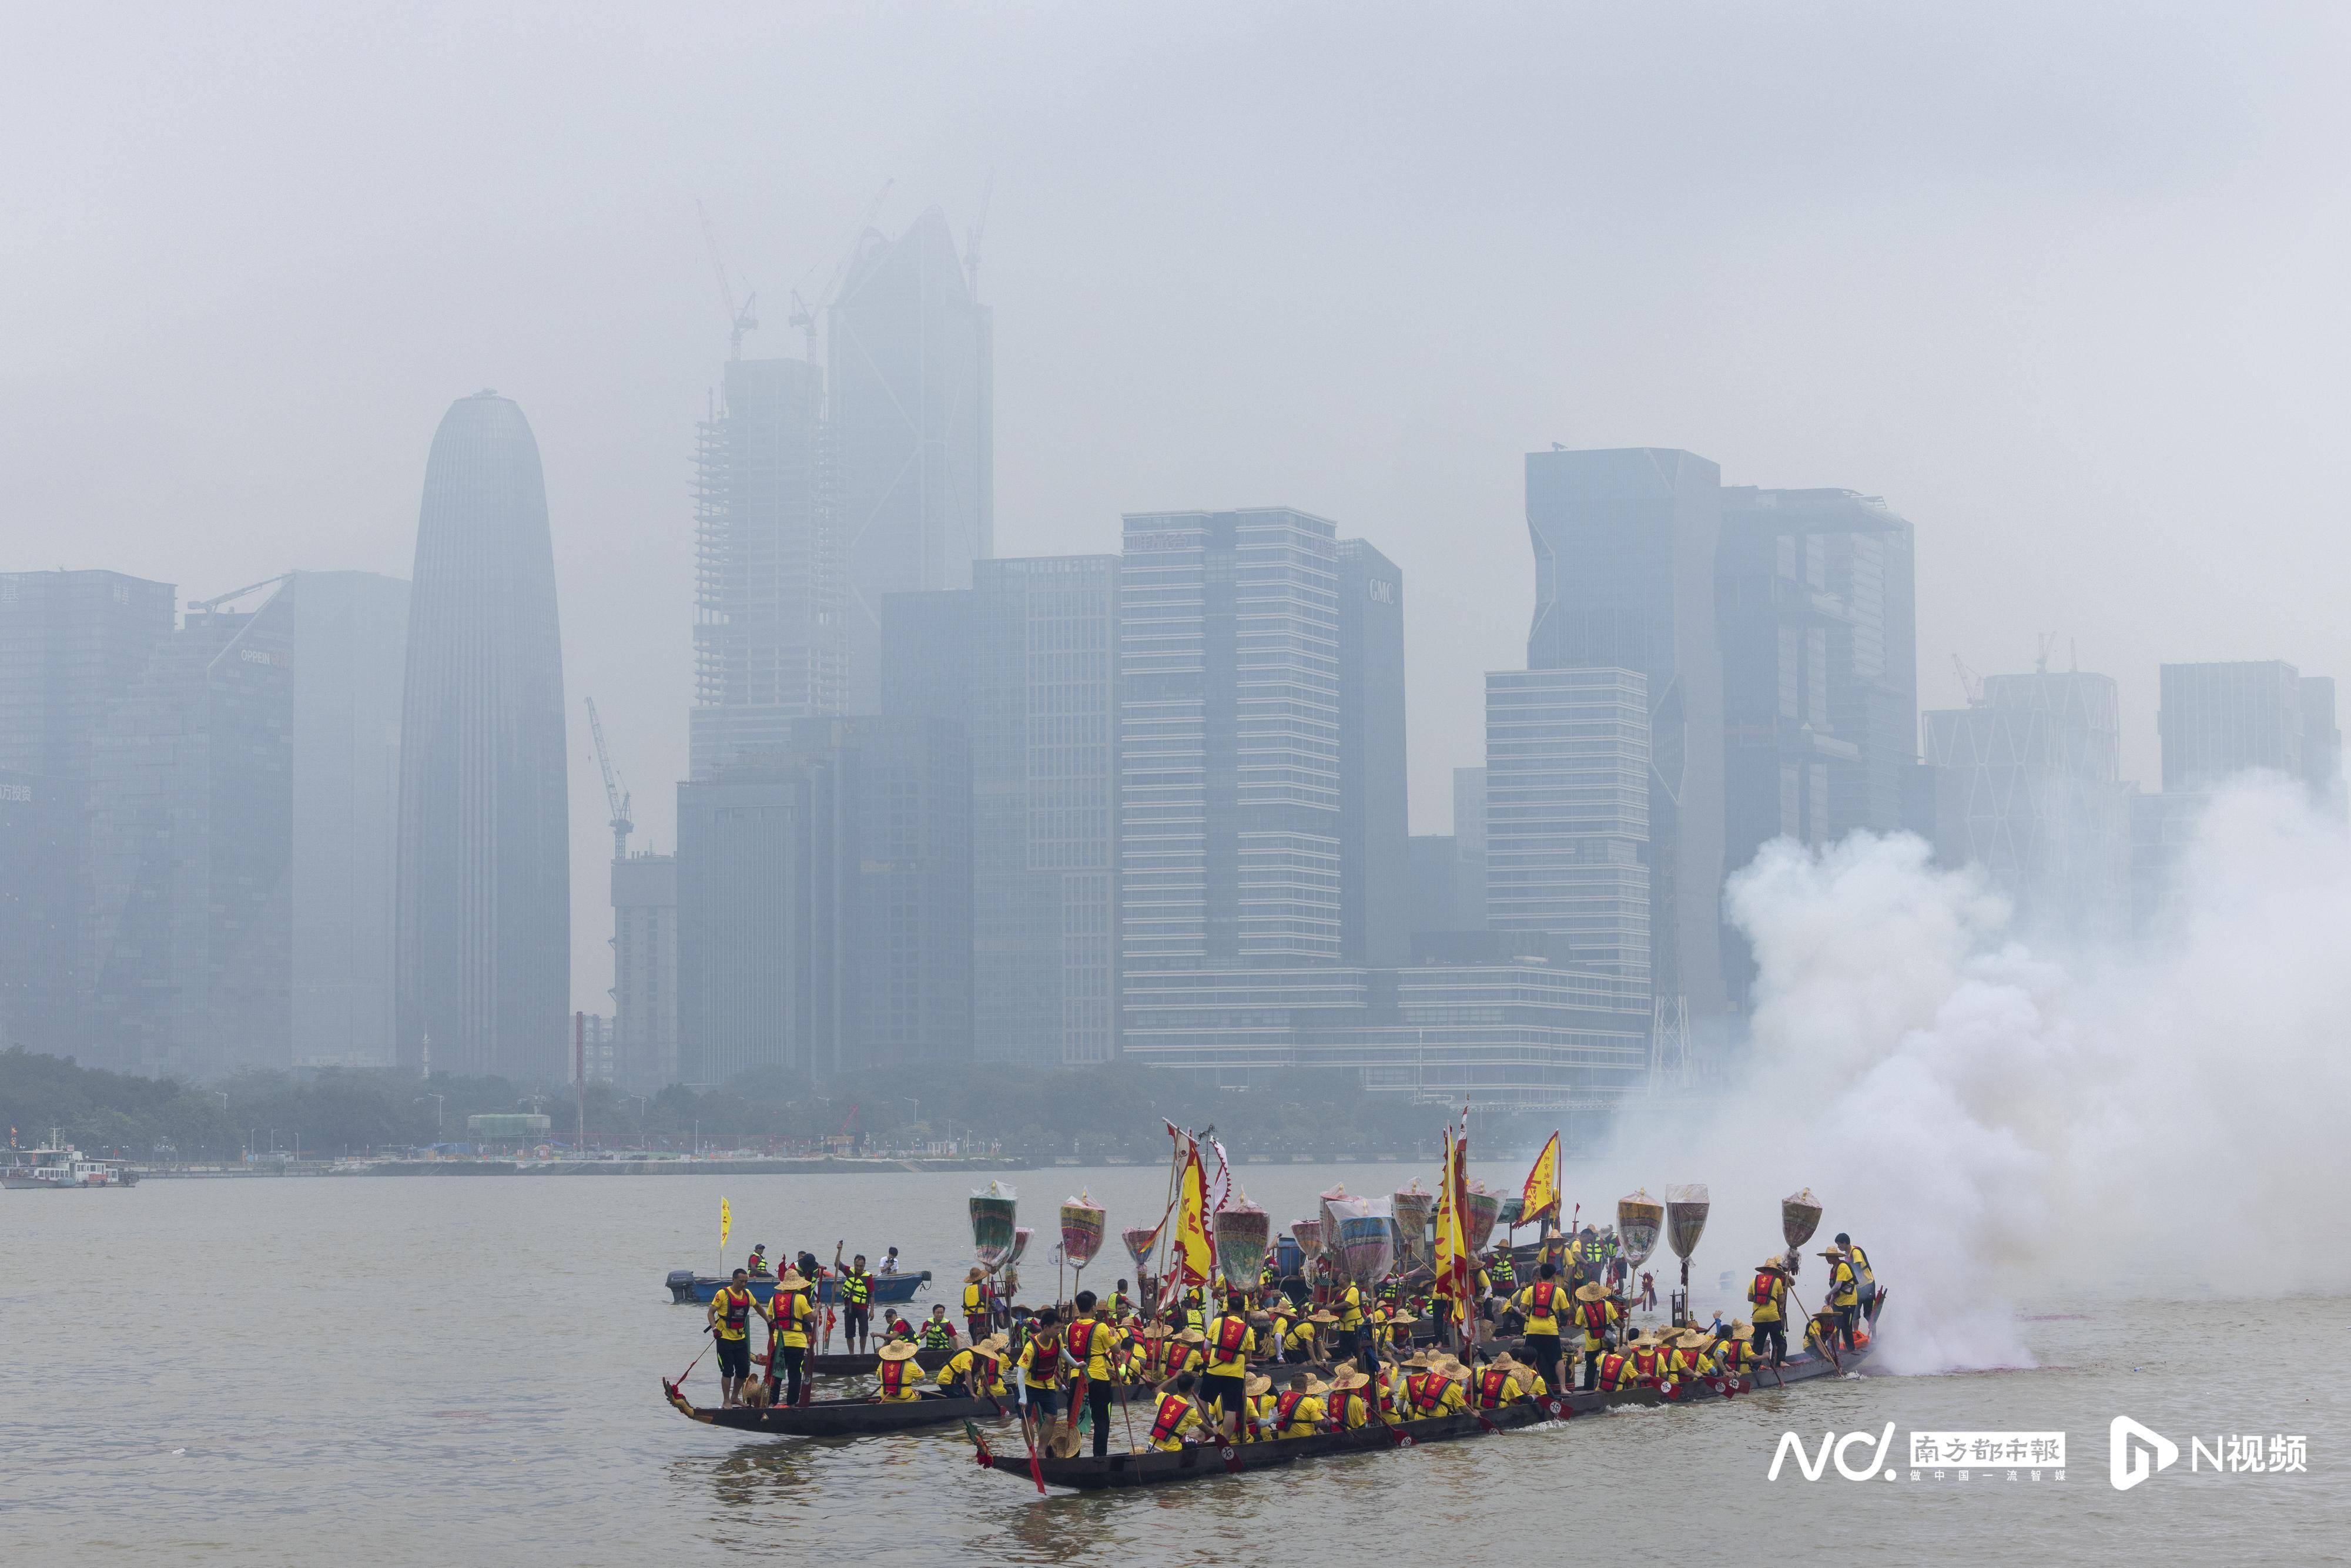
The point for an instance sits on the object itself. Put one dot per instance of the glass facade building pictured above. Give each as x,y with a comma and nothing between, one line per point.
1374,818
824,904
912,432
1567,813
644,971
1229,741
483,941
1624,544
768,576
1028,661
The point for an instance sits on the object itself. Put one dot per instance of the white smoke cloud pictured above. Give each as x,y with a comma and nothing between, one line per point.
1996,1125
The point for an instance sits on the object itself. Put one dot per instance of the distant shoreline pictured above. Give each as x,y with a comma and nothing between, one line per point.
801,1165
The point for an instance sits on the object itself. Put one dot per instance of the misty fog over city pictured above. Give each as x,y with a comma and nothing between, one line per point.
807,598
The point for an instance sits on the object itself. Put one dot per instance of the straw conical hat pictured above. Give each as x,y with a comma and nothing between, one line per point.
1257,1385
994,1344
1773,1265
976,1274
1323,1315
1349,1380
1191,1336
897,1350
1404,1320
790,1279
1595,1291
1315,1386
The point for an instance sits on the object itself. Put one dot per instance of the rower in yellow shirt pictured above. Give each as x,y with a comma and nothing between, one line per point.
978,1368
1299,1411
902,1376
1349,1408
1351,1321
1258,1426
1492,1386
1429,1391
1223,1388
1174,1416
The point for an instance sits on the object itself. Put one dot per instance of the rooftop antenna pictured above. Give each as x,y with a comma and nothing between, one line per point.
743,317
971,239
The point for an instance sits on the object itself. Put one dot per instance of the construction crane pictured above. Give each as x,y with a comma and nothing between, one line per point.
856,242
208,605
805,320
743,317
971,239
614,796
1969,682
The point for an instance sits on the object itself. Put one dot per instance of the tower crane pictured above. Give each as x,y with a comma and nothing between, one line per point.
743,317
614,796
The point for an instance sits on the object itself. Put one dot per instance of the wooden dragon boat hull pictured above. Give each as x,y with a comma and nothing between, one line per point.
1202,1461
843,1418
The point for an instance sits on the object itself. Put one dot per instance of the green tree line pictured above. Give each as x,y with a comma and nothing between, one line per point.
1092,1112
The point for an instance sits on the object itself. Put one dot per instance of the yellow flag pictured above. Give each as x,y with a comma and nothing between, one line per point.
1542,1186
725,1224
1455,1268
1195,1250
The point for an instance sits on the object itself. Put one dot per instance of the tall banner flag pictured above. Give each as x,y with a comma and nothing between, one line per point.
1455,1268
1542,1186
1196,1250
726,1223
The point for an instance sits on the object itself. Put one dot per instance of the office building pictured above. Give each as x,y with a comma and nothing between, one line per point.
483,944
768,573
644,971
1506,1033
1229,741
1027,661
44,907
1374,817
1815,600
1448,889
824,904
191,833
348,661
1568,798
1624,544
2028,786
913,445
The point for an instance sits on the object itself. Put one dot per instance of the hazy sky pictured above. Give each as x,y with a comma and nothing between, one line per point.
2065,284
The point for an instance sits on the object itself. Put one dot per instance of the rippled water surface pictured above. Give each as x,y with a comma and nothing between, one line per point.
412,1371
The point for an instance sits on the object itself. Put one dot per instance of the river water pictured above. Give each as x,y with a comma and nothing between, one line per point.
466,1370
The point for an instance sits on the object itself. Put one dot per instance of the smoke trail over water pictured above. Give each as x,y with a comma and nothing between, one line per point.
1991,1123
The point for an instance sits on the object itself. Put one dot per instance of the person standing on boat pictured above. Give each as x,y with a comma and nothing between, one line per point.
791,1317
1043,1362
1352,1332
854,1288
1092,1347
1767,1300
1541,1305
1844,1292
1224,1390
729,1321
1864,1276
1174,1416
975,1301
1596,1312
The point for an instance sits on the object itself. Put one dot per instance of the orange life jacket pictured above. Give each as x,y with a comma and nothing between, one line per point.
1172,1409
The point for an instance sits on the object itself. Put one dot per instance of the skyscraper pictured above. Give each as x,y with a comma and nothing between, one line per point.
768,585
348,660
2219,720
1374,818
644,971
1228,740
191,826
824,904
483,965
1567,813
1027,659
1624,544
912,431
2028,785
1815,592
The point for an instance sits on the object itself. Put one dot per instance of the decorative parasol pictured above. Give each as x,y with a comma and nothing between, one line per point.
1243,1233
1800,1216
1308,1233
1366,1229
1139,1243
1020,1234
1413,1210
1479,1211
1512,1207
1640,1220
1686,1209
1082,1223
992,1227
